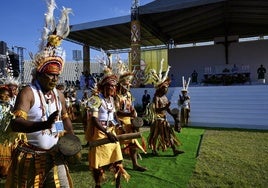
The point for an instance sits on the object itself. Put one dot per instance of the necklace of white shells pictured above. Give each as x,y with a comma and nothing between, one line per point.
107,103
46,102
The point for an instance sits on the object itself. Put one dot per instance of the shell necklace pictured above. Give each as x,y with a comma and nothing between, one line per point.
107,103
46,101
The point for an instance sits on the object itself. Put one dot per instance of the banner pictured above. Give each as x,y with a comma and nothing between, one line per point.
152,59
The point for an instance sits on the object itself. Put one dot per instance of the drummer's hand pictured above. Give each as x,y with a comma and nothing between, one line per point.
133,114
52,118
111,137
168,105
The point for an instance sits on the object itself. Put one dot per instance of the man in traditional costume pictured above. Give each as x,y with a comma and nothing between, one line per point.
13,85
8,92
102,124
184,103
161,131
6,140
40,113
126,114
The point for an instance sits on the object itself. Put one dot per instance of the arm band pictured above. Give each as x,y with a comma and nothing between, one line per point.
20,114
64,116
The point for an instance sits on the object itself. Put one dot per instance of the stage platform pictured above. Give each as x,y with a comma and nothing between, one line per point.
234,106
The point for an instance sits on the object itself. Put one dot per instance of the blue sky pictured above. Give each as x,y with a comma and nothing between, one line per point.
22,20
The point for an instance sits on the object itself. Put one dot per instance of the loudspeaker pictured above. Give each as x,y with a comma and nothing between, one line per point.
3,47
3,63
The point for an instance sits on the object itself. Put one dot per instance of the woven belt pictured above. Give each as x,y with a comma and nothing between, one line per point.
33,149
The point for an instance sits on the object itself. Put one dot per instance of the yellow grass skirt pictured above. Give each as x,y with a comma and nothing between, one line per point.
105,154
6,149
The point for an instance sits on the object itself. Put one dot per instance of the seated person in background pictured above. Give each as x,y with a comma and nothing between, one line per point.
234,69
225,70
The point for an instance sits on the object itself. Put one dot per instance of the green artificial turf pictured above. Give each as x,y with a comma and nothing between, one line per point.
167,170
164,170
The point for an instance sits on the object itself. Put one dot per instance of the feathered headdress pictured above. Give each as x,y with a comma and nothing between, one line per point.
185,84
125,76
10,80
50,53
106,63
7,77
160,79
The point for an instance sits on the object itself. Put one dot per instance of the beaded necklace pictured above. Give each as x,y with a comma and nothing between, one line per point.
46,101
107,103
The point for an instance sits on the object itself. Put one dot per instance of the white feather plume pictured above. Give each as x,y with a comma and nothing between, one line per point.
50,22
166,73
185,84
63,25
157,78
105,62
44,37
161,68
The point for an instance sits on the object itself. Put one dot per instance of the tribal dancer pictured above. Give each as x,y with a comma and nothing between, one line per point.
13,85
7,138
184,103
161,130
8,87
126,113
40,113
102,124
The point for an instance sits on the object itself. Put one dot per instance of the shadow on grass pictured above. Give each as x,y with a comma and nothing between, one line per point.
163,155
